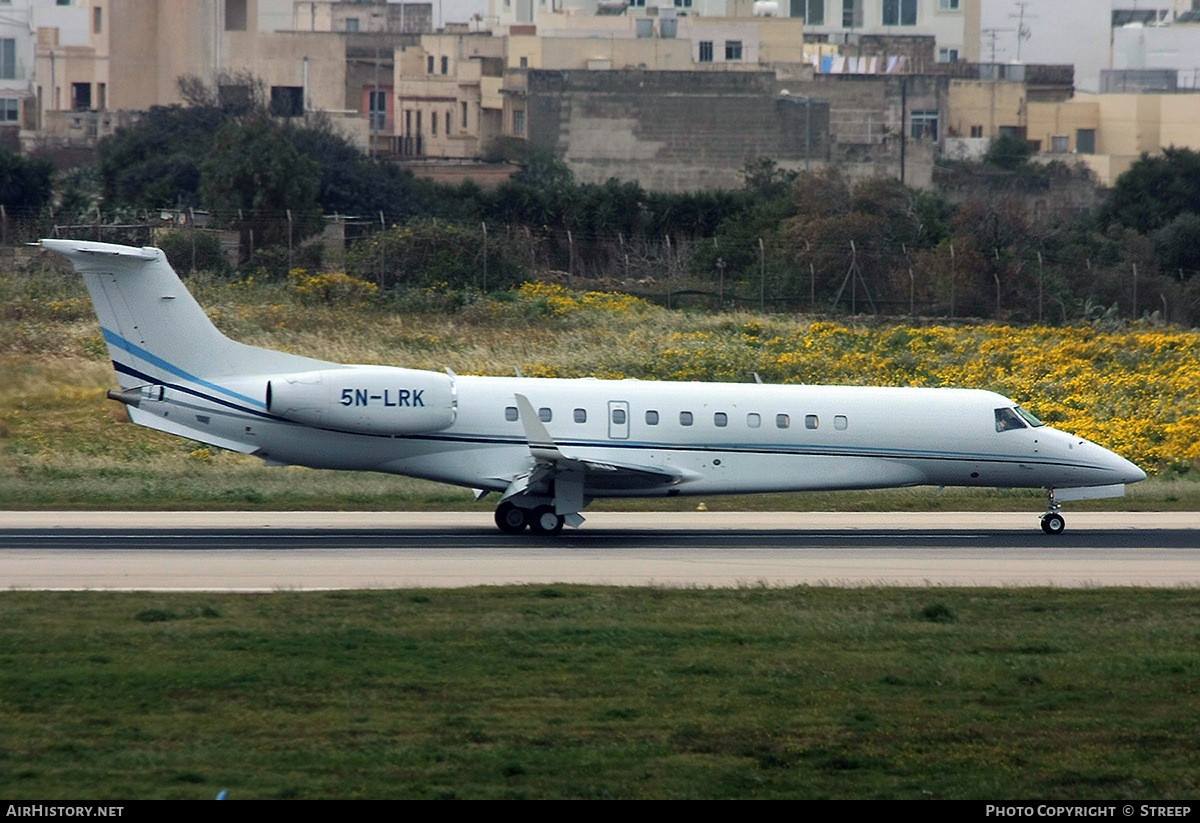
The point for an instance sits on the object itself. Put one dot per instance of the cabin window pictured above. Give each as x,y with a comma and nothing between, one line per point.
840,422
618,417
1007,420
782,421
651,417
1029,418
545,415
753,421
810,421
720,420
510,413
581,415
685,418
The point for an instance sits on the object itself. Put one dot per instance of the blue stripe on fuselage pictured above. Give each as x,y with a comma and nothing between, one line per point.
114,339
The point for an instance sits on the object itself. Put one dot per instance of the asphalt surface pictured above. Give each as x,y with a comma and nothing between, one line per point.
256,551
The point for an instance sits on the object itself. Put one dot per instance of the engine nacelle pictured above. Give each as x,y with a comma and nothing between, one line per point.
366,399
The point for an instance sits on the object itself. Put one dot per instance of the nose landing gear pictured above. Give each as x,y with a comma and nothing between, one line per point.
1053,523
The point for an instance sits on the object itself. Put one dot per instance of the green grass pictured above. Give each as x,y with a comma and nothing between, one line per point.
574,692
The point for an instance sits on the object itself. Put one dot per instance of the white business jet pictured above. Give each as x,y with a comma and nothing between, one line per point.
549,447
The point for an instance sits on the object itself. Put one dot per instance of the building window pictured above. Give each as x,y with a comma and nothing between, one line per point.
947,55
433,124
924,124
706,51
733,49
97,20
377,108
977,131
1060,144
524,62
813,11
683,4
10,110
235,15
948,5
852,14
518,122
1085,141
8,59
464,116
445,64
899,12
287,101
447,123
81,96
429,64
352,24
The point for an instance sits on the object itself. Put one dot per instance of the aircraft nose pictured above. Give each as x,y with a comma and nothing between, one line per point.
1129,472
1125,470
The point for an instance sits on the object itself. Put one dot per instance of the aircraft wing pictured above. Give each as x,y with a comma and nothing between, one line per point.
575,474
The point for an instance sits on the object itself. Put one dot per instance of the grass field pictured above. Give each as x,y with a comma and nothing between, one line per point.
580,692
587,692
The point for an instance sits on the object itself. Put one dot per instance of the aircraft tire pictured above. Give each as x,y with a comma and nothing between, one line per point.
545,522
1053,523
511,519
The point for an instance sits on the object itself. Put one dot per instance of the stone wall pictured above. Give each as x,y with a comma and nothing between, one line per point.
672,131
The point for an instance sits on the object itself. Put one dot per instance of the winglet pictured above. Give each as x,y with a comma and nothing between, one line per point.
541,444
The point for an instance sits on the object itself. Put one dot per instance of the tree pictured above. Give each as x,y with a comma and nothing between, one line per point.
1154,191
352,183
256,180
155,163
1177,245
1009,152
432,255
25,185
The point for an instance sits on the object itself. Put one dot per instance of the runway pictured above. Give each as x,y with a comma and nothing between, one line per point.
283,551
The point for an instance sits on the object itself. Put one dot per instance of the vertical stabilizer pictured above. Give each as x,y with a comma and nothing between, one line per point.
155,330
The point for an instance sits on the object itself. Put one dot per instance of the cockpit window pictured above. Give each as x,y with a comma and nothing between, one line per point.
1029,417
1007,420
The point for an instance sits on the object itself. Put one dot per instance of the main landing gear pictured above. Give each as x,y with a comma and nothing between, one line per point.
541,520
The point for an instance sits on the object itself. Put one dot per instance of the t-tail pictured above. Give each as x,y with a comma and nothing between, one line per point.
155,330
161,341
